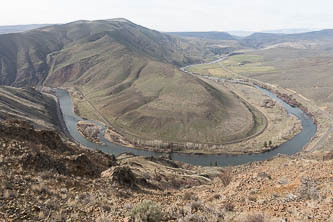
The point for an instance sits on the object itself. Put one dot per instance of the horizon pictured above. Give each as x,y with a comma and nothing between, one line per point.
175,16
287,30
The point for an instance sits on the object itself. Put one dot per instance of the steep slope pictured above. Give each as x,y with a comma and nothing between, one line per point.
27,57
23,57
29,105
130,73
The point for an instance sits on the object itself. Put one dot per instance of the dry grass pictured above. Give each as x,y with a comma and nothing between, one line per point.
241,64
181,109
306,72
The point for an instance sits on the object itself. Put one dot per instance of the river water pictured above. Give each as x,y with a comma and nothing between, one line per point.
290,147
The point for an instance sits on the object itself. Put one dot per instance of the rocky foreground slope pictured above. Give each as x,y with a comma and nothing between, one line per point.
43,178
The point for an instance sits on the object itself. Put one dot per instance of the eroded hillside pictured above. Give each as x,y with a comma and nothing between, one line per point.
28,104
130,74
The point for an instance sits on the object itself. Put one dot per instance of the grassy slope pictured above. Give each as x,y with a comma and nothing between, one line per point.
130,73
140,93
177,107
155,100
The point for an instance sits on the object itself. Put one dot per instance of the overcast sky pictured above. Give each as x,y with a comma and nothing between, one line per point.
176,15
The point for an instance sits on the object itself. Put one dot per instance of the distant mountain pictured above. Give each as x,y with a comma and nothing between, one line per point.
258,40
289,31
20,28
130,73
205,35
315,35
241,33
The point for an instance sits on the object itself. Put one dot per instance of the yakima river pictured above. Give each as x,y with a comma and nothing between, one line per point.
290,147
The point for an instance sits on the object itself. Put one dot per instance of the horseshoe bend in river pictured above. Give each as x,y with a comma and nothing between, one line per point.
290,147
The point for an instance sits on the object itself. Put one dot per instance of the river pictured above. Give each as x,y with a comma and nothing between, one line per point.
290,147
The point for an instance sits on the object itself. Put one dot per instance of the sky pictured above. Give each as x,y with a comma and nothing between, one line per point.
176,15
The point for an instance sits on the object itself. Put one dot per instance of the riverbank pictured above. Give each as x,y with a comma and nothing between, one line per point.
322,118
83,108
260,142
292,146
264,140
246,145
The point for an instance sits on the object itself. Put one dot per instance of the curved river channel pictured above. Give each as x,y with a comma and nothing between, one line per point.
290,147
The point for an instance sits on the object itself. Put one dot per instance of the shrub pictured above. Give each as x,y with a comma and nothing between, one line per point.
174,182
124,176
308,189
252,198
51,204
328,156
189,196
226,177
193,218
255,218
196,205
228,206
146,211
175,212
104,218
40,188
8,194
